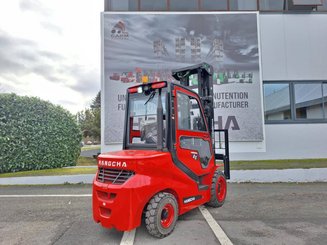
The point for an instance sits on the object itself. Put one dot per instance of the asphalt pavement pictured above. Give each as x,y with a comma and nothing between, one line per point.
280,213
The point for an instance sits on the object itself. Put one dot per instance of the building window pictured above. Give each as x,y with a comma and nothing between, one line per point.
308,101
277,101
306,2
184,5
323,7
272,5
150,5
123,5
295,102
243,4
214,5
324,92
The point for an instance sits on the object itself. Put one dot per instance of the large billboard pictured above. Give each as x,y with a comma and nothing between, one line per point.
145,47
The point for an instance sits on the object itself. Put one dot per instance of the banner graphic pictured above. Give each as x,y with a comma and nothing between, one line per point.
145,47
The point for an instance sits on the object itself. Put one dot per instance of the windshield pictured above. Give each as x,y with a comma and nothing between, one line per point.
142,115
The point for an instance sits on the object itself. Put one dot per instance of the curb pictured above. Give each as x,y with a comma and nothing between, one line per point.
279,175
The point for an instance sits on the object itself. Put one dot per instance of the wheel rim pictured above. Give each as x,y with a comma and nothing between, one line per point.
221,189
167,215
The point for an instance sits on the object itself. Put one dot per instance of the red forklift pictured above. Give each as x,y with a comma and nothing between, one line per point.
169,163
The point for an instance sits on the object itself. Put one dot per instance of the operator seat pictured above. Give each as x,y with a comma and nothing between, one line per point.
149,131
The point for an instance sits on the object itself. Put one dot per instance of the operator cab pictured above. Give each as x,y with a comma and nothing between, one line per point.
144,105
178,127
145,113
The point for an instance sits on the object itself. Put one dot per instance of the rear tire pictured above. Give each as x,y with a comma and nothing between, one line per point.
161,214
218,190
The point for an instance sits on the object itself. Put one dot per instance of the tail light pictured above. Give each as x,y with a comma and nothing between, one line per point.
132,90
141,89
158,85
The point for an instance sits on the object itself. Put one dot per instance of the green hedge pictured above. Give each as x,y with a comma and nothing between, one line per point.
36,134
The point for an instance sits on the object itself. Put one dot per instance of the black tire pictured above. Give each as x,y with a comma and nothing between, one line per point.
161,214
218,191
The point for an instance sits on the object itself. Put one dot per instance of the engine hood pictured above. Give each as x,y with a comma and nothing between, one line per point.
129,158
132,154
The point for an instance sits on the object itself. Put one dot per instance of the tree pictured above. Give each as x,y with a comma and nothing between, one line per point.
96,111
90,119
96,102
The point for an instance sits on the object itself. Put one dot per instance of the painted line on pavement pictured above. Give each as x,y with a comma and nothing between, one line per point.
128,238
215,227
49,195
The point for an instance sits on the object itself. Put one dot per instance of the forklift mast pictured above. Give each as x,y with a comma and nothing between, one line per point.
204,73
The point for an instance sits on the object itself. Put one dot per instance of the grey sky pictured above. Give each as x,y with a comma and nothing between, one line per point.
51,49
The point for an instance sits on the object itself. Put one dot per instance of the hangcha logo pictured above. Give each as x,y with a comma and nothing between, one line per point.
112,164
119,31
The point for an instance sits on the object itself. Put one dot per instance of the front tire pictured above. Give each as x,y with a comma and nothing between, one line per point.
218,190
161,214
